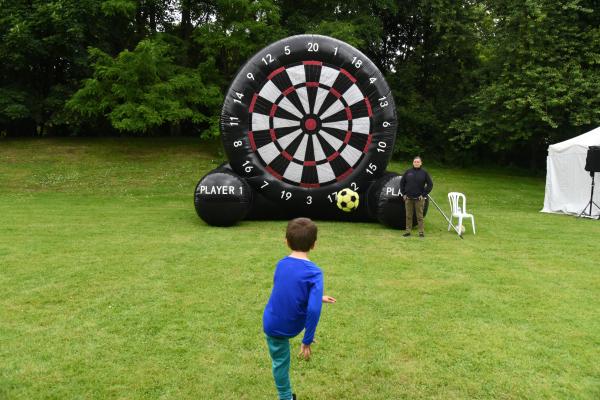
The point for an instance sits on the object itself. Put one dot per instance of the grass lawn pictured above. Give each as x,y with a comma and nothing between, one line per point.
112,288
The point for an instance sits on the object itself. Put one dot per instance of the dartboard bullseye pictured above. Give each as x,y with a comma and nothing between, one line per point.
307,116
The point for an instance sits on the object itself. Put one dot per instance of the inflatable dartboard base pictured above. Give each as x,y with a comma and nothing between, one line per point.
222,198
386,203
305,117
263,208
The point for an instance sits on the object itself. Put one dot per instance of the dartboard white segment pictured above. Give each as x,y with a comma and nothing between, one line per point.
341,125
289,107
270,92
353,95
293,172
286,140
260,122
333,141
321,95
297,74
325,173
351,155
303,95
301,151
328,76
361,125
334,108
318,149
268,152
284,123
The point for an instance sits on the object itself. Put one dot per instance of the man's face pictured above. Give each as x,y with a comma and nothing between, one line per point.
417,163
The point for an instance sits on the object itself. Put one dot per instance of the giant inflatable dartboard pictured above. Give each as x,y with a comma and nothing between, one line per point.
305,117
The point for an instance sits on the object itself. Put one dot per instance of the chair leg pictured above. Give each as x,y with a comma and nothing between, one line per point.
450,223
459,223
473,223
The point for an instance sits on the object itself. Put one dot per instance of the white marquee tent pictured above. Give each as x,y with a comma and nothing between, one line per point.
568,184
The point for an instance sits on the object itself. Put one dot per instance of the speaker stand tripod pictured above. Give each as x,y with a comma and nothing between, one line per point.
591,202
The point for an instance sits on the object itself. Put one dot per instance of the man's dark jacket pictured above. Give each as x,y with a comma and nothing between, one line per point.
416,182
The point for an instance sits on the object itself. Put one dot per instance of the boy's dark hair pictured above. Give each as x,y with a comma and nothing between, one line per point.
301,234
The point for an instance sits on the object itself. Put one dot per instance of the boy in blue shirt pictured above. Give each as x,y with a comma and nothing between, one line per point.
295,302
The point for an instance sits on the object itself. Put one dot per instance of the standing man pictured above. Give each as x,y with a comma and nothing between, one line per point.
415,186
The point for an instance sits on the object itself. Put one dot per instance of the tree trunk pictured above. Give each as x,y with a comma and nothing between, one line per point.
186,19
152,14
140,21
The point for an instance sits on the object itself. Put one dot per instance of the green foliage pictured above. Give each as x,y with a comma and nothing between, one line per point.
144,89
119,7
42,47
433,53
12,105
473,80
540,80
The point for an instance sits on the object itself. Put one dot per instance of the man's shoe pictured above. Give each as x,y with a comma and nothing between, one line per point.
407,234
421,235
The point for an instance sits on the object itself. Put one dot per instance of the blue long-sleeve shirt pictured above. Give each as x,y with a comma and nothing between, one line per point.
295,301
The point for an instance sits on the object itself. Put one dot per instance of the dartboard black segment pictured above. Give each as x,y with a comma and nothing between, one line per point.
307,116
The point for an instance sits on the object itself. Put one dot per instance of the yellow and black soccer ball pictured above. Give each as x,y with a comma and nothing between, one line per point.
347,200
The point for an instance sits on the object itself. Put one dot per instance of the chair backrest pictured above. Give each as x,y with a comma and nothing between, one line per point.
458,202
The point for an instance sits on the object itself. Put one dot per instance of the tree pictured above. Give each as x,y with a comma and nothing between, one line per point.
539,81
231,35
432,50
42,46
144,89
476,80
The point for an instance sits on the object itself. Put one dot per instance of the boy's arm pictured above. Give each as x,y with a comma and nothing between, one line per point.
313,312
329,299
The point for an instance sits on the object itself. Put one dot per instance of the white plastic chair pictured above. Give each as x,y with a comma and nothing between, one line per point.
458,207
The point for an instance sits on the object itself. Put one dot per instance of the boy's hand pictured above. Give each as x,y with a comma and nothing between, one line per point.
305,351
329,299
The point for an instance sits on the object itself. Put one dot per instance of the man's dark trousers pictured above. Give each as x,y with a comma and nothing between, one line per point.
412,205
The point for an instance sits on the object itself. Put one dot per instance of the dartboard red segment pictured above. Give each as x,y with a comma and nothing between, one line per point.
343,71
344,175
369,109
277,71
366,149
335,93
251,108
287,91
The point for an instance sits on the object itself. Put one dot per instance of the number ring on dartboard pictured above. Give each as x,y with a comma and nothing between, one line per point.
304,119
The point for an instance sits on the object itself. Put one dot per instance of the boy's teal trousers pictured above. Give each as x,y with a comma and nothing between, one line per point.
279,349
